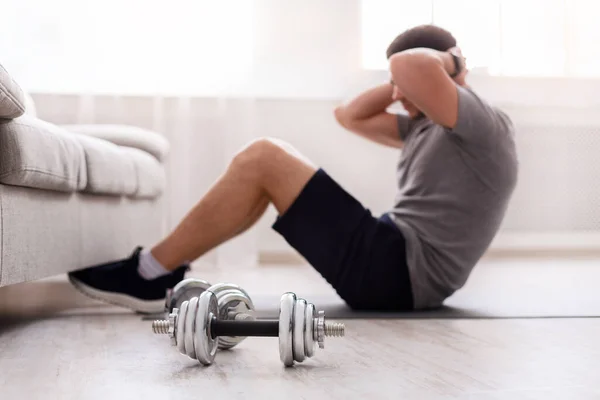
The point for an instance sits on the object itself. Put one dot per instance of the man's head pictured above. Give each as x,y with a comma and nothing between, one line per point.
428,36
422,36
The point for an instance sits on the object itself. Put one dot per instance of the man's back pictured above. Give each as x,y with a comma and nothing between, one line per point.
453,190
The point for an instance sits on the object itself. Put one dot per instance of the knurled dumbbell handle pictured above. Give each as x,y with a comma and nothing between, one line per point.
264,328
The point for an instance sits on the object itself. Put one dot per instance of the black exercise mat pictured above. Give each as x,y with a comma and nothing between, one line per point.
523,290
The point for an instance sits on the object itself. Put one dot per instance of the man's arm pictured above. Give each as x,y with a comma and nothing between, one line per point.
423,77
367,116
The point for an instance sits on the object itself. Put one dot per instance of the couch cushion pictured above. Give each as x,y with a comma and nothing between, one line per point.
110,170
118,170
125,135
12,98
151,179
37,154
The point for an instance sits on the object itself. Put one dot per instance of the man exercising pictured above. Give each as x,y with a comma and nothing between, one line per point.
456,174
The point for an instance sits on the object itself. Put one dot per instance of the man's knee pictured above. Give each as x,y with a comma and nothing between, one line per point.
262,154
272,163
255,151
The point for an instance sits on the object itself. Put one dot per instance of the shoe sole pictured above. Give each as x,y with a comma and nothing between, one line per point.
120,299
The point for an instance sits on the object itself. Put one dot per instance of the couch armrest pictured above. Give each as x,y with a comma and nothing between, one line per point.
12,98
126,135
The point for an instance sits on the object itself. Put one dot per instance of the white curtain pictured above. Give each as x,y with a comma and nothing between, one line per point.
180,47
275,48
164,66
211,75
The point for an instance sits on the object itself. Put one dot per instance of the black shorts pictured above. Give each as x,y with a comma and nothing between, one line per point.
361,256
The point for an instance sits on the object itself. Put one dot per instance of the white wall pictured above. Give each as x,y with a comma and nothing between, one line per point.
307,60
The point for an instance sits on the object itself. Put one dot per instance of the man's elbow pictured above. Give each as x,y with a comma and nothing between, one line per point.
405,67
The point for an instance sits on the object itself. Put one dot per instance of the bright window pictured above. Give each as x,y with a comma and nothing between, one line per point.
126,46
480,48
584,37
505,37
533,38
381,20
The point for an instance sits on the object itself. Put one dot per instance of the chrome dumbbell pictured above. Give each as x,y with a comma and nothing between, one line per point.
195,328
233,303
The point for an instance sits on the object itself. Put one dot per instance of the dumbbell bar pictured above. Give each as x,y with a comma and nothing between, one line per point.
195,328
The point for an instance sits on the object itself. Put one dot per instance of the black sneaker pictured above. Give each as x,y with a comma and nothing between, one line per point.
119,283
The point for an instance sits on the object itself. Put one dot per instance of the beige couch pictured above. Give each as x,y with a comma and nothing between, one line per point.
72,196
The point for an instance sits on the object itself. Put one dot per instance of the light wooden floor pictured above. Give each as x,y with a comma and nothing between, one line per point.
56,344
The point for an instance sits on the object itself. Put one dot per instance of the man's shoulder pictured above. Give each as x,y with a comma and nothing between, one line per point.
475,109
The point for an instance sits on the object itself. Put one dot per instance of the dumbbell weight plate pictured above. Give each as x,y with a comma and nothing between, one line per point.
231,300
180,328
184,291
193,328
309,340
204,344
299,328
190,326
286,316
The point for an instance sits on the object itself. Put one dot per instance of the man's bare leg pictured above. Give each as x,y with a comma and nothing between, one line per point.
266,171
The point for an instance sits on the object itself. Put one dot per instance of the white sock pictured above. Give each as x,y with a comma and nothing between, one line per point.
149,267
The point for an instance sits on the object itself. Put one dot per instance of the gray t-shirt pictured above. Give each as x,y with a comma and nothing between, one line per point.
454,186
